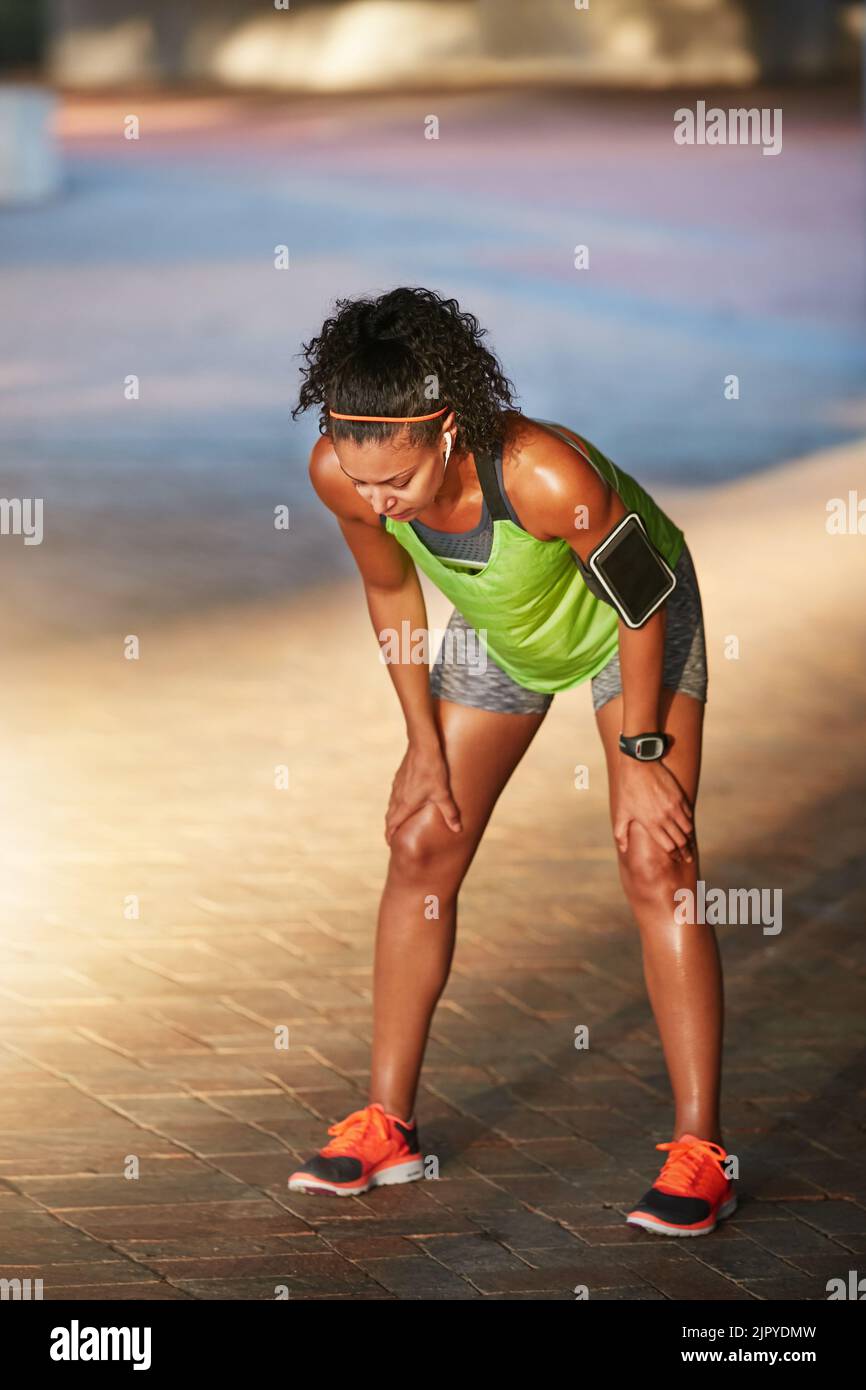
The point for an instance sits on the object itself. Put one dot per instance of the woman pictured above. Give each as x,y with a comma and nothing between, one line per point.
425,462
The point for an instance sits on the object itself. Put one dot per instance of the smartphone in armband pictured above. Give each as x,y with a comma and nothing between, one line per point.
631,571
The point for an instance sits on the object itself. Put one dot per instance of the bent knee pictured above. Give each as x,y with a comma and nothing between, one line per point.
423,845
648,871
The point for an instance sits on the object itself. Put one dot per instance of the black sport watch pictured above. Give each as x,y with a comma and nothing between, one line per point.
647,748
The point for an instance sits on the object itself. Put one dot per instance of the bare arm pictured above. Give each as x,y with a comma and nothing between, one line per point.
561,496
394,598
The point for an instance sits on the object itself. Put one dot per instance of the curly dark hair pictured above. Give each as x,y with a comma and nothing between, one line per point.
405,353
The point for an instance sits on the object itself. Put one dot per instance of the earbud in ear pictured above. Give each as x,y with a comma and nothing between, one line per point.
447,447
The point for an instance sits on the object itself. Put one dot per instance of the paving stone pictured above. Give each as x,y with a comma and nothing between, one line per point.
683,1278
499,1161
791,1237
593,1272
633,1293
743,1260
175,1220
312,1281
144,1291
823,1265
459,1195
537,1296
317,1269
835,1218
73,1193
791,1286
422,1278
58,1273
522,1227
358,1246
471,1255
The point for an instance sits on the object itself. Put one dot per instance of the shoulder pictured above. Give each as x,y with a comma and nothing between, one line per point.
333,487
546,478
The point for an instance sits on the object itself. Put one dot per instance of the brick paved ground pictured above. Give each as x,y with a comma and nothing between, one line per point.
152,1037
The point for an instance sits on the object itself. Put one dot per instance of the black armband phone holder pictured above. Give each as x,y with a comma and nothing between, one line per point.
628,572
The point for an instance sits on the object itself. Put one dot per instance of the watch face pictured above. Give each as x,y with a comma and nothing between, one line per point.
649,748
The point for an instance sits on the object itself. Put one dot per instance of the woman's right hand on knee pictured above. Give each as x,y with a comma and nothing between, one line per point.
421,777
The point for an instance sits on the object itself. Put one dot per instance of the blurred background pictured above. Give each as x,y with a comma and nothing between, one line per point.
372,44
305,127
164,903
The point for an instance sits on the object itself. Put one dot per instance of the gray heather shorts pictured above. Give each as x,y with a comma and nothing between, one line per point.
457,674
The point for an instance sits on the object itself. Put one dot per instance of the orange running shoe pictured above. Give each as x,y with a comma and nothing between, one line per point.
691,1194
369,1149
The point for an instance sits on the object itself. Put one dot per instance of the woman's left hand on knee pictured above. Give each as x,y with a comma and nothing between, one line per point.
649,793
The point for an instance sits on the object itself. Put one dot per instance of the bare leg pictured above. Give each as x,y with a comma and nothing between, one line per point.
418,912
681,962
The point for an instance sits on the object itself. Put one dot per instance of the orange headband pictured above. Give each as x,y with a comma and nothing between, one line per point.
400,419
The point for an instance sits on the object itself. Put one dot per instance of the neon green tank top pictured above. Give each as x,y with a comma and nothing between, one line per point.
530,604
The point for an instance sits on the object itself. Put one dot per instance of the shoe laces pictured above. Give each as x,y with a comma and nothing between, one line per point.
351,1132
687,1160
